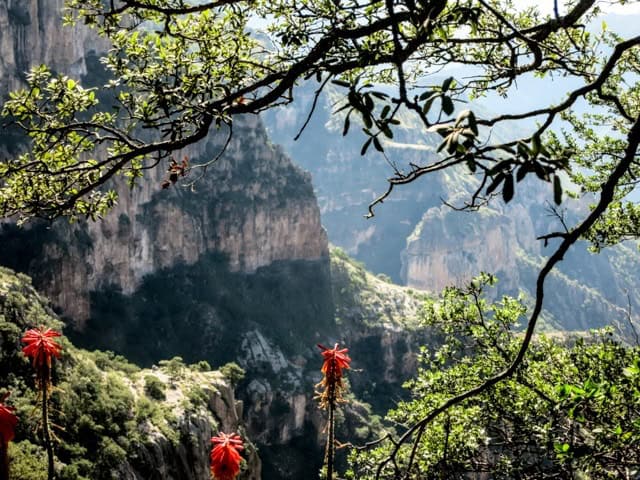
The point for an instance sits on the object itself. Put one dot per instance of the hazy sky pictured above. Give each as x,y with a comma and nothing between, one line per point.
631,7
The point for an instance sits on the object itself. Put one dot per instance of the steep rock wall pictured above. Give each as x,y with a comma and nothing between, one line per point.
450,248
253,206
31,33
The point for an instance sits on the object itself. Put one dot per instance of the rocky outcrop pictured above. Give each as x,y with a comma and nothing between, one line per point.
450,248
162,457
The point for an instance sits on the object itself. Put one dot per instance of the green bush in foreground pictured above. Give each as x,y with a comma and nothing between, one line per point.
572,410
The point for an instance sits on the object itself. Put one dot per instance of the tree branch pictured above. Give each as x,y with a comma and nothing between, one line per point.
606,197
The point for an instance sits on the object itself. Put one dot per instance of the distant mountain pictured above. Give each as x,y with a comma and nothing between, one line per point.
419,242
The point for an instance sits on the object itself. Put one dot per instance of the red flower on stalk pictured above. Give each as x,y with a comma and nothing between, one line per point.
335,360
225,456
40,346
8,422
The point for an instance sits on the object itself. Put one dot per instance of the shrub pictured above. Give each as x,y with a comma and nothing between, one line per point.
154,387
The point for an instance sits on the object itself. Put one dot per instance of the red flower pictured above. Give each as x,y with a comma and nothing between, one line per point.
41,346
225,456
335,361
8,422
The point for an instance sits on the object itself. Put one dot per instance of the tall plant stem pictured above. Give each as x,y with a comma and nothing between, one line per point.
4,459
45,421
331,446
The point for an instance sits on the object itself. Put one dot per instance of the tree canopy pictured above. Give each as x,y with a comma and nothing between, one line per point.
179,70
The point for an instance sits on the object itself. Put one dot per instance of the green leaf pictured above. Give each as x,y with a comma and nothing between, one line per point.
365,146
347,124
341,83
496,182
535,145
523,150
376,143
557,190
541,172
471,163
473,123
427,104
366,118
368,102
447,105
498,167
427,94
447,84
522,172
507,190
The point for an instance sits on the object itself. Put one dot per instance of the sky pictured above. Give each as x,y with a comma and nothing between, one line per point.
630,8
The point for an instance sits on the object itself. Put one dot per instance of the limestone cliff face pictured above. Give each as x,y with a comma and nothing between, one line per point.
449,248
253,207
379,323
31,33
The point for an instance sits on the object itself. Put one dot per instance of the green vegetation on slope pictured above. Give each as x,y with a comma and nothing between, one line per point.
109,415
365,300
571,410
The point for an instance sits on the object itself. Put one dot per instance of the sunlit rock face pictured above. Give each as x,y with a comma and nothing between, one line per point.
252,206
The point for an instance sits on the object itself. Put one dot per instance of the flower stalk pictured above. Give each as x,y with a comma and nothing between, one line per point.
330,393
41,347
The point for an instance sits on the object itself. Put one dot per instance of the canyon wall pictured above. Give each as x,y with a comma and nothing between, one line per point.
418,241
252,206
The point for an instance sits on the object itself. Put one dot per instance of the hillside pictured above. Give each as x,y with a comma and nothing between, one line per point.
112,418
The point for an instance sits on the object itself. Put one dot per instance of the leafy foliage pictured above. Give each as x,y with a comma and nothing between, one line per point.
178,70
571,408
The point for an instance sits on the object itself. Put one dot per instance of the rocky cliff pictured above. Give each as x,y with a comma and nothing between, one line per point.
380,324
253,206
31,33
419,242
